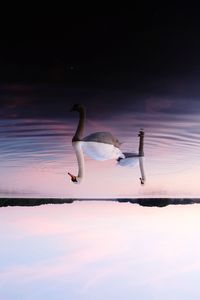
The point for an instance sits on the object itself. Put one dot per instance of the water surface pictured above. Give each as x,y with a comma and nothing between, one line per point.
36,129
99,250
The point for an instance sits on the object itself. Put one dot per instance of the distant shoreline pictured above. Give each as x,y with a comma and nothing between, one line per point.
159,202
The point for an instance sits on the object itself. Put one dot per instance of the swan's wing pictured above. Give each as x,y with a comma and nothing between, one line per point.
102,137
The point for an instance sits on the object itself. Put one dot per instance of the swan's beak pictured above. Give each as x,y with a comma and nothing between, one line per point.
141,133
73,178
142,181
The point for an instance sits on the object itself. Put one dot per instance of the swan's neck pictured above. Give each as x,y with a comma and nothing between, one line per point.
80,128
141,145
80,159
143,177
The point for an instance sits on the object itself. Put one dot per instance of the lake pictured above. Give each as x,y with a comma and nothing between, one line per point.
36,129
107,249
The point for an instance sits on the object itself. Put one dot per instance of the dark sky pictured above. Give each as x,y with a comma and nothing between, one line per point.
151,45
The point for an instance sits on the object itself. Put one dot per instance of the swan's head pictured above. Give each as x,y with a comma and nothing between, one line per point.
142,181
141,133
77,107
128,160
74,179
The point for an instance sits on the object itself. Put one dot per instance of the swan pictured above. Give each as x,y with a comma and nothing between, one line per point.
132,159
99,145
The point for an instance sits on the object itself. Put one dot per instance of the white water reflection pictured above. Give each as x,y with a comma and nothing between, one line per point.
96,250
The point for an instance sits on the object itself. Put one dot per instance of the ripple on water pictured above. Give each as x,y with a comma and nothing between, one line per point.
171,143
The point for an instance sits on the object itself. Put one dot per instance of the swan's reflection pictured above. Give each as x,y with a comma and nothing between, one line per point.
132,159
102,146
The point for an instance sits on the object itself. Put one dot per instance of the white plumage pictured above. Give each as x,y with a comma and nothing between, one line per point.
101,151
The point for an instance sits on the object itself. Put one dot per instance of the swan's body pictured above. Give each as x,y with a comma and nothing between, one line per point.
99,145
102,146
101,151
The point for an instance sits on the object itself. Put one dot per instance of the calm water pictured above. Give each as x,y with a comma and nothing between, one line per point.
99,250
36,128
